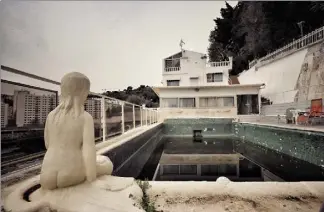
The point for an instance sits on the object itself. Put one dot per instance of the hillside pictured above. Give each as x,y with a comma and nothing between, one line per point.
250,30
141,95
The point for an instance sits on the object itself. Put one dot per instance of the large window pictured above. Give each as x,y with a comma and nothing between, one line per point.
215,77
169,102
187,102
208,102
212,102
248,104
225,101
173,82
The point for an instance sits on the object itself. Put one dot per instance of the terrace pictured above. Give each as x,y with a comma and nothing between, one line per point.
246,164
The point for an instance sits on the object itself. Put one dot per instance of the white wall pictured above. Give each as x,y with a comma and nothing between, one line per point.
207,92
280,109
278,76
230,91
193,66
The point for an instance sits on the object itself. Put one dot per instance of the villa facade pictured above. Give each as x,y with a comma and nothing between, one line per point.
193,87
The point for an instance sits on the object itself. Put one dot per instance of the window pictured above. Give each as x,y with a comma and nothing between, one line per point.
187,102
188,169
226,101
208,102
173,82
216,102
169,102
194,81
170,169
215,77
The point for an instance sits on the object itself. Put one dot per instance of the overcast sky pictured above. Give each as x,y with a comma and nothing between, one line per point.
116,44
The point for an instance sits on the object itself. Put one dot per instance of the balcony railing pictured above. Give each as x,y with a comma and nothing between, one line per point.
218,64
304,42
170,69
111,116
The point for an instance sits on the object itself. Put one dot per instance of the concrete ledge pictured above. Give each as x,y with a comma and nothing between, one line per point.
103,147
287,126
130,153
224,195
119,140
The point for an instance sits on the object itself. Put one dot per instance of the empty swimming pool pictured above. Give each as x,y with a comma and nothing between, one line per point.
184,159
236,151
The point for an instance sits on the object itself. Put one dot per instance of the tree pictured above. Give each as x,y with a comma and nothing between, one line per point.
135,99
141,95
250,30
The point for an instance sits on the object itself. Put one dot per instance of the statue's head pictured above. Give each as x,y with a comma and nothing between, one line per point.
75,85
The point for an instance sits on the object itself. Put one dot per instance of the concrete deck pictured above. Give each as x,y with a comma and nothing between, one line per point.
224,195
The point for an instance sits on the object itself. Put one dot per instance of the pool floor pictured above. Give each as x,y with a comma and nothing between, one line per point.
183,159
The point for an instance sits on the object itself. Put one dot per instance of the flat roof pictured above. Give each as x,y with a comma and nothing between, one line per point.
158,88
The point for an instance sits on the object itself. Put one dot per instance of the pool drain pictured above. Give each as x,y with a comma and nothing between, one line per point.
197,136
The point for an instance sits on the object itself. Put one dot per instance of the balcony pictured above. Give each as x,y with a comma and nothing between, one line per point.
218,64
172,69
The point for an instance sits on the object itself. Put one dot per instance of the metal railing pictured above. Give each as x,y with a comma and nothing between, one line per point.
111,116
218,64
252,63
303,42
170,69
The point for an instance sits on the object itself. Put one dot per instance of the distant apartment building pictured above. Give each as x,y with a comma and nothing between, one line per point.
4,114
31,108
93,106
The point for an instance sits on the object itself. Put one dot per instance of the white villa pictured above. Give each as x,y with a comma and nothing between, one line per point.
192,87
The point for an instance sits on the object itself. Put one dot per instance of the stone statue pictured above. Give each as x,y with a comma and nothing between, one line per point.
73,177
69,139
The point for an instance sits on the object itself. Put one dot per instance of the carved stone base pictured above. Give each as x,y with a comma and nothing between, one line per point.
107,193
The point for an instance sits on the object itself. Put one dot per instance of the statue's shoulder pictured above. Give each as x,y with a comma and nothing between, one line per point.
87,116
51,114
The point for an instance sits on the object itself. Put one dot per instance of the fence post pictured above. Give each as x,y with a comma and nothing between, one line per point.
134,124
150,117
103,118
153,116
146,116
141,110
123,117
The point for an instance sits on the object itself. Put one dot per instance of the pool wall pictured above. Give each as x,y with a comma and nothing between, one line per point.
210,126
301,144
130,157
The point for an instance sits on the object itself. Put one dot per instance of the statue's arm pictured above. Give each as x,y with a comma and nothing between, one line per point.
89,149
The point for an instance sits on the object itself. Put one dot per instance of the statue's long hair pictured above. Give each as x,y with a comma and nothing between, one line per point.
75,88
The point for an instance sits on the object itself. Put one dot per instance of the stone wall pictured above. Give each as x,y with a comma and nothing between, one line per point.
304,145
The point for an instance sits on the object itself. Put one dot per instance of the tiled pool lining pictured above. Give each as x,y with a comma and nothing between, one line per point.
130,157
302,144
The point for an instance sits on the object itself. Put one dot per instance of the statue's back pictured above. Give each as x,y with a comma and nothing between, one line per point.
64,138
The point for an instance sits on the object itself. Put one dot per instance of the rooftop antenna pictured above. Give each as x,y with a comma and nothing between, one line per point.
181,44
